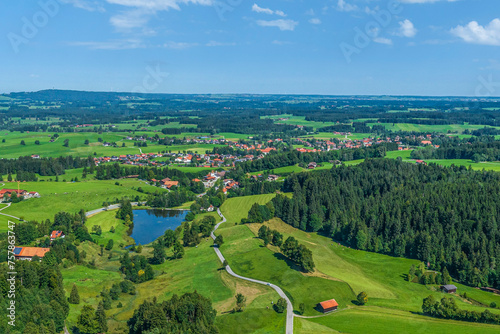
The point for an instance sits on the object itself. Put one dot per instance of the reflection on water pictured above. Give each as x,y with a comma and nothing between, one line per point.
151,224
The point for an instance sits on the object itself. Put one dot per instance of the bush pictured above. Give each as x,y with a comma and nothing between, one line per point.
280,306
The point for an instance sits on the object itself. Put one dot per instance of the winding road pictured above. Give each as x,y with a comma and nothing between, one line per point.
4,214
289,308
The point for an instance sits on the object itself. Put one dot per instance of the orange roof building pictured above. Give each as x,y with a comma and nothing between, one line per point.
328,306
56,234
27,253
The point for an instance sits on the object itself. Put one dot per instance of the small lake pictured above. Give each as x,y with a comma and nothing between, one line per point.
151,224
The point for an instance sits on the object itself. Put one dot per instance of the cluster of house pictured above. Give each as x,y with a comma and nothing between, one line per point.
212,177
5,194
28,253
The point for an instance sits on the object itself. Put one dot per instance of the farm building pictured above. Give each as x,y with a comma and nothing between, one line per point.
56,234
328,306
27,253
6,193
449,288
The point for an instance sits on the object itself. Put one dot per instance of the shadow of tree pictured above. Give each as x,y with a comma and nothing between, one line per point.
289,262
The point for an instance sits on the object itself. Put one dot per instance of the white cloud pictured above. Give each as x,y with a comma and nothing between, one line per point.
111,45
407,29
144,9
478,34
382,40
425,1
343,6
283,25
315,21
130,19
215,43
310,12
257,9
91,6
157,5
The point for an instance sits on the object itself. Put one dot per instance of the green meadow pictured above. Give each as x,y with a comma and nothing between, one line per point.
383,321
341,273
12,147
71,196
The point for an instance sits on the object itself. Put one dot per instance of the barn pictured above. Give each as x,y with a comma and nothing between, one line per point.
27,253
450,288
328,306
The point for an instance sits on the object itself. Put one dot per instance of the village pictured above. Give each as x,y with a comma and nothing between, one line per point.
249,151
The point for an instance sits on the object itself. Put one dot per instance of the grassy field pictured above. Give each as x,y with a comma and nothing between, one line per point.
340,273
199,270
106,220
384,321
71,197
235,209
12,147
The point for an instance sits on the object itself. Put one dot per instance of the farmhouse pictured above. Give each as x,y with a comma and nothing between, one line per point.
56,234
312,165
167,183
450,288
27,253
328,306
33,194
273,177
6,193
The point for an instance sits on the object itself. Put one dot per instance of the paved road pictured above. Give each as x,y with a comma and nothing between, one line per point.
111,207
289,308
4,214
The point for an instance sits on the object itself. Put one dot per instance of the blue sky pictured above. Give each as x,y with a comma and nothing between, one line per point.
369,47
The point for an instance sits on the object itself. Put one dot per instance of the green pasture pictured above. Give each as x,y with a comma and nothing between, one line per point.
72,196
376,320
199,270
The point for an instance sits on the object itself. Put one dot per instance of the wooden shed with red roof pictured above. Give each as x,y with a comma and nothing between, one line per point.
328,306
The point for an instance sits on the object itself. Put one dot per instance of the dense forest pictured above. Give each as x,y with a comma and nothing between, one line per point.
446,217
189,313
41,304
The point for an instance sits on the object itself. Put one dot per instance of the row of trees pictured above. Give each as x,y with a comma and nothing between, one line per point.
43,166
477,151
448,309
